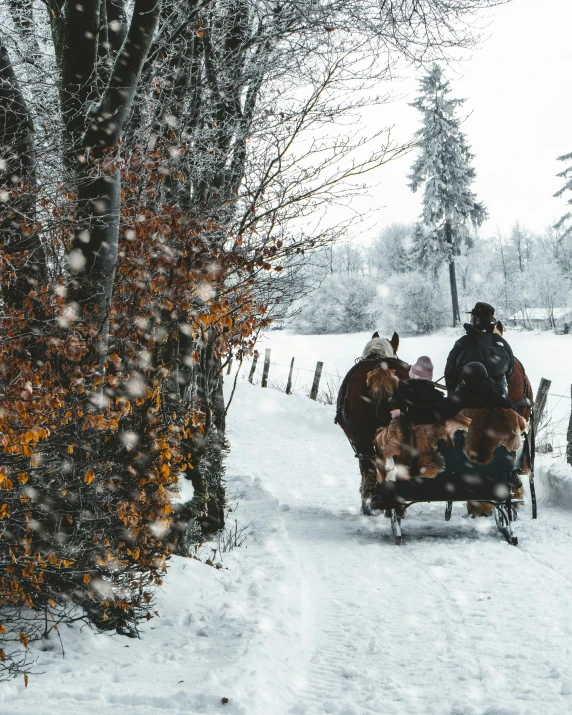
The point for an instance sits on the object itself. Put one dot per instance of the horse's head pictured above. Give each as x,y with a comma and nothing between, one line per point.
381,347
499,328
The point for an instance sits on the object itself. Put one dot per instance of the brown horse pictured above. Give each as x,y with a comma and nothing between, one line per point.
363,406
520,394
519,387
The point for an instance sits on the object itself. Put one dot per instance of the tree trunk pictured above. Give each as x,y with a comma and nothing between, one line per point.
94,136
569,437
504,274
454,295
18,184
452,276
96,242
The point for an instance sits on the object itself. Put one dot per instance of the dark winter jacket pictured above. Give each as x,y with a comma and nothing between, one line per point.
488,348
479,393
419,401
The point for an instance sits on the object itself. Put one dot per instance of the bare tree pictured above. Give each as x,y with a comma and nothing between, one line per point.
163,166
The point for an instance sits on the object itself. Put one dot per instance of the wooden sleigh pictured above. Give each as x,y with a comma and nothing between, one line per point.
462,465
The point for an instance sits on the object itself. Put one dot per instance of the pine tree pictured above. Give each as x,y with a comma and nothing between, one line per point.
444,166
564,222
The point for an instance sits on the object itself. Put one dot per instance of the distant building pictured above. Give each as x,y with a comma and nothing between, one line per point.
559,319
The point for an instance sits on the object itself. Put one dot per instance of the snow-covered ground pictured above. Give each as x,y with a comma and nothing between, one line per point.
318,612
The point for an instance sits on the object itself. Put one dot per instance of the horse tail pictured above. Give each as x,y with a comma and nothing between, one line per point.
382,383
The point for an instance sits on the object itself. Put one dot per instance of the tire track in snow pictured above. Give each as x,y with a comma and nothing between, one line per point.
359,635
326,673
528,618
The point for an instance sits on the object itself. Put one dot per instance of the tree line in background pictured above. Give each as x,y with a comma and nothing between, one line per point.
384,285
162,165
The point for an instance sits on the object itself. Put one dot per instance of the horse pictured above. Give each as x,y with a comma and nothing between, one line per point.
363,407
520,394
519,387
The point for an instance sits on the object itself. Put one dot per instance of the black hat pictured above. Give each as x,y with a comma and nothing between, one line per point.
474,371
484,312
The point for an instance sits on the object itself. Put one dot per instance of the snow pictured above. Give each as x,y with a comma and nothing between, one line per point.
318,612
215,637
554,483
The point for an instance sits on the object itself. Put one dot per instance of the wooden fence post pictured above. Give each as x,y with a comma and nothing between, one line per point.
289,383
540,402
253,366
569,435
316,383
266,368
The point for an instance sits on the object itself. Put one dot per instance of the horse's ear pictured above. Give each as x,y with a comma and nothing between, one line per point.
375,335
394,342
499,328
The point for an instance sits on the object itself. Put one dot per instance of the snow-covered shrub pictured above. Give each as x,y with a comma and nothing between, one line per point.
342,304
411,303
390,252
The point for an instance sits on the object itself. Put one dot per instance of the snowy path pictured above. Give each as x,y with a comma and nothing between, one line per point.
455,621
320,613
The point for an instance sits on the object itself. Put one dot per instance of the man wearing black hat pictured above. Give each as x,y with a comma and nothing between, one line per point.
480,344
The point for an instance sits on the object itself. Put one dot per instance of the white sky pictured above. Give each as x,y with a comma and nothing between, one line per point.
519,119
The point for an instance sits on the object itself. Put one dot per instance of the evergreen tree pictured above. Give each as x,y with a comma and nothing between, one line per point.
564,222
444,167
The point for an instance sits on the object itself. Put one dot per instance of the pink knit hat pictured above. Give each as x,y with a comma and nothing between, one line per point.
422,370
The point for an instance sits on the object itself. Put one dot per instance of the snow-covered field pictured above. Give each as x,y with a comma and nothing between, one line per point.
318,612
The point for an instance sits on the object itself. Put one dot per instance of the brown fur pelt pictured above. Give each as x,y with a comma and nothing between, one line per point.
488,429
412,449
479,508
382,383
485,508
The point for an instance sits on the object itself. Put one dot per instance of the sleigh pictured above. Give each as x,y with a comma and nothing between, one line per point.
393,478
445,472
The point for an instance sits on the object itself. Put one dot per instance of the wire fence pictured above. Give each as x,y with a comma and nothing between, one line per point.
553,431
302,379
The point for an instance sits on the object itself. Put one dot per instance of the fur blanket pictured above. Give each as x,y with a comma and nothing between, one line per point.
411,450
489,428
